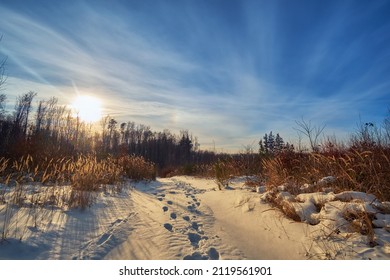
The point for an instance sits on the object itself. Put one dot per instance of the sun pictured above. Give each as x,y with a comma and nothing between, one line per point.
88,108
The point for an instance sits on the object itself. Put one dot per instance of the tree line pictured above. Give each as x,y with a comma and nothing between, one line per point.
52,130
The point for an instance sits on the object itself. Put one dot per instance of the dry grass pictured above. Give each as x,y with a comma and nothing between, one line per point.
196,170
366,171
284,205
361,222
137,168
89,174
60,183
223,171
228,167
85,174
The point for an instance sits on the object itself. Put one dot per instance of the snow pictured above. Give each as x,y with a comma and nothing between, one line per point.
353,195
190,218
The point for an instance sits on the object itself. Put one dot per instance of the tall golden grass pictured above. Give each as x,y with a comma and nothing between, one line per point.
85,174
359,170
137,168
60,183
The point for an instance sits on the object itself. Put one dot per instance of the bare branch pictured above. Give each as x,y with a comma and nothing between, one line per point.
3,78
310,131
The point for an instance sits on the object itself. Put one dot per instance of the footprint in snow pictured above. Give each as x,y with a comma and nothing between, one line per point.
194,238
196,256
173,216
186,218
116,222
195,225
165,209
213,254
191,207
103,239
168,226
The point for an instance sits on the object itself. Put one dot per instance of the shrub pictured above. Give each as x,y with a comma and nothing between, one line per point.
89,174
137,168
223,171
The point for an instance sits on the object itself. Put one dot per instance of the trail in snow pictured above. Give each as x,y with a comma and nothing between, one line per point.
187,218
172,223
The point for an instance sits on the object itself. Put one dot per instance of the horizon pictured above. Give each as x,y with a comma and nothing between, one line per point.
228,72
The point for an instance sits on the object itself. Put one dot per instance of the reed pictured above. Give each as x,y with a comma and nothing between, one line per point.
359,170
68,182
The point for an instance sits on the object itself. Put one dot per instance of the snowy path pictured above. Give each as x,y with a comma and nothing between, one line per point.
183,218
171,223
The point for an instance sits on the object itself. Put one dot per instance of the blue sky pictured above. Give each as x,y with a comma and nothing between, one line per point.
229,71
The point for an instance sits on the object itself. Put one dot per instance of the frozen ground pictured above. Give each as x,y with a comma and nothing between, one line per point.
189,218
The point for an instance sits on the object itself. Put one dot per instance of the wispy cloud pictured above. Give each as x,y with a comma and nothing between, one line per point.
229,73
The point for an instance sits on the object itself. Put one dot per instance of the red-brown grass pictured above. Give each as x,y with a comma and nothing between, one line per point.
359,170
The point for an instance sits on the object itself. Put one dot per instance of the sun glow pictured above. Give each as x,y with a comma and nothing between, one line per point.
88,108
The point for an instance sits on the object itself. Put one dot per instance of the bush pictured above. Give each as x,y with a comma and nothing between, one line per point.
137,168
89,174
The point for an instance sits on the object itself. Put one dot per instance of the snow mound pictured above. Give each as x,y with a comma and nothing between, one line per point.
326,180
354,195
347,220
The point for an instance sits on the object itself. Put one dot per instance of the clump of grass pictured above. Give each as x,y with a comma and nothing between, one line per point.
367,171
253,182
361,222
223,172
197,170
89,174
288,167
167,171
3,165
137,168
275,172
285,205
80,198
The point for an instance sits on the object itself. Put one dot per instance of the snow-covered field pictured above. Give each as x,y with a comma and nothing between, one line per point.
189,218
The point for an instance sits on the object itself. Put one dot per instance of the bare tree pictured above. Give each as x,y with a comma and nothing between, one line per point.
2,69
22,111
2,82
2,106
105,136
311,132
3,78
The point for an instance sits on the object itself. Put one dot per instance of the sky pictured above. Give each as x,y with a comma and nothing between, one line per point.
228,71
